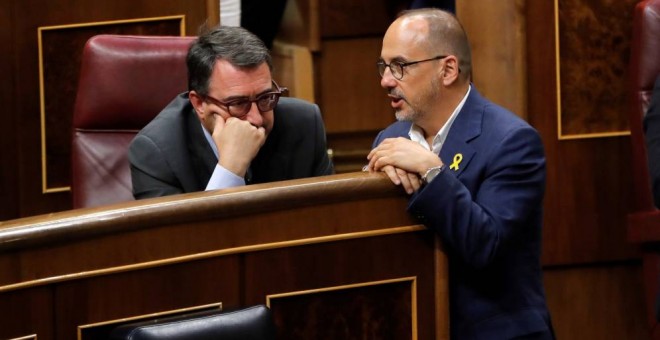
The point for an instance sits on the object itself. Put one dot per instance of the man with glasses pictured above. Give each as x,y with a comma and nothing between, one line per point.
476,173
231,128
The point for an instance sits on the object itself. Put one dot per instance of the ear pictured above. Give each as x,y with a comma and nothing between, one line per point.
451,70
197,102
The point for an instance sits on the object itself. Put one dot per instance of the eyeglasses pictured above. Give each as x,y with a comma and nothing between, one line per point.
239,107
396,67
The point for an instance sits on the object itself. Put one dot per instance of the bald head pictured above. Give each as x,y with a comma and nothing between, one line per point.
441,34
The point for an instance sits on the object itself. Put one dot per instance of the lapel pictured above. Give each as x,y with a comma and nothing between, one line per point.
201,155
457,153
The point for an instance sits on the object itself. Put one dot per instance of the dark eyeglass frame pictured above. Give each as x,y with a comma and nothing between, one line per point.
381,65
239,107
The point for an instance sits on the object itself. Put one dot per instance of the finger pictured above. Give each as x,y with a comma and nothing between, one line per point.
219,123
405,181
391,173
415,181
261,131
381,161
372,160
371,154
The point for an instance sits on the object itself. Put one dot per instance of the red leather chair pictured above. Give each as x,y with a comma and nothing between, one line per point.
124,83
644,221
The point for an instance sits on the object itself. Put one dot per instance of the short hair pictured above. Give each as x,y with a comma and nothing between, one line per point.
446,36
234,44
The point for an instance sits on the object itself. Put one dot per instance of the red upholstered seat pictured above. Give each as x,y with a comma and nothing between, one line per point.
124,83
644,220
644,68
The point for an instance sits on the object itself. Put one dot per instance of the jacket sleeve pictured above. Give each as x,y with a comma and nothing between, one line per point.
150,173
507,201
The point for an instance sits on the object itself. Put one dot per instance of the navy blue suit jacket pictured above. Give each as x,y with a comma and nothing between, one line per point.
487,209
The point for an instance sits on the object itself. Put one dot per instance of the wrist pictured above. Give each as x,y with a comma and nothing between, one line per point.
431,173
237,169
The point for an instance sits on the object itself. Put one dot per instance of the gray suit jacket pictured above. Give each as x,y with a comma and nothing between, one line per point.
171,155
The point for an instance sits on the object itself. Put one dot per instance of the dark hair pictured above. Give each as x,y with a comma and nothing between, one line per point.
234,44
446,36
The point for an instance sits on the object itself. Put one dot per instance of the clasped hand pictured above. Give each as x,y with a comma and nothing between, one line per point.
403,160
238,143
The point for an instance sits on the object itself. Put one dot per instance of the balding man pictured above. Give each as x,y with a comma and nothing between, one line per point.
476,173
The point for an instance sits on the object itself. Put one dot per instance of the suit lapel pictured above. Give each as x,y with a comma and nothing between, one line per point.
456,152
201,155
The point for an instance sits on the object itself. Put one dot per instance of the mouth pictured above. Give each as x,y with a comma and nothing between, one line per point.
396,101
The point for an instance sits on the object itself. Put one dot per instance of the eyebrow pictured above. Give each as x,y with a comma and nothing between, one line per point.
398,59
236,98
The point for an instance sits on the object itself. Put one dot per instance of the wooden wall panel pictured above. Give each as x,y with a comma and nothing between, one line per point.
588,193
596,302
35,307
589,180
236,246
9,169
349,18
496,30
594,49
21,167
350,95
337,268
136,293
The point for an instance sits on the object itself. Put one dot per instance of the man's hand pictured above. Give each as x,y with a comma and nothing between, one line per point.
410,181
403,154
238,143
403,160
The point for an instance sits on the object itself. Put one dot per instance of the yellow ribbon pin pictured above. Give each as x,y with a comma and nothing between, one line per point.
457,160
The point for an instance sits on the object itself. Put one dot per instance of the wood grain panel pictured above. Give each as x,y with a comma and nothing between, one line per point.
293,69
34,306
24,71
234,246
349,150
588,181
353,104
594,49
333,265
173,241
130,294
596,302
496,30
350,95
349,18
352,308
9,171
301,24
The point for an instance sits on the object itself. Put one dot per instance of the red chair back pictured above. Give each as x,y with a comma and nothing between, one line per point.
125,81
644,68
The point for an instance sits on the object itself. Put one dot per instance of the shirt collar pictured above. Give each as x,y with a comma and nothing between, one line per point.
417,135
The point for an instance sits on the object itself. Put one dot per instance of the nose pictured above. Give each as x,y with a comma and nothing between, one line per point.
254,116
387,81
